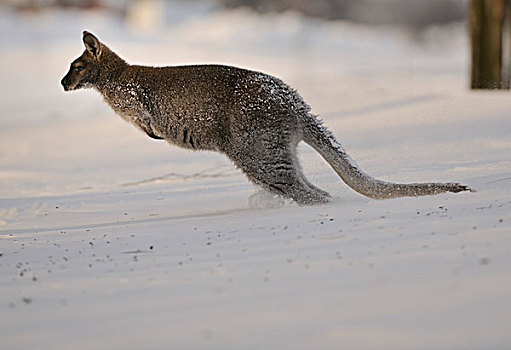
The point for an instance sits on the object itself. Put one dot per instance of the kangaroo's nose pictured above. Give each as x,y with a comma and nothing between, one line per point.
63,82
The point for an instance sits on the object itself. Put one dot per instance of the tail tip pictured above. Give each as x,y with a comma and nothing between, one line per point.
456,187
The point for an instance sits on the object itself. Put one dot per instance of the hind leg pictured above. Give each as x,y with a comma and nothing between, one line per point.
313,188
276,171
307,183
287,183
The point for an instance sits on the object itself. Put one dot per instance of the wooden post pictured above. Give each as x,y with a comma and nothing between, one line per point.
487,22
506,47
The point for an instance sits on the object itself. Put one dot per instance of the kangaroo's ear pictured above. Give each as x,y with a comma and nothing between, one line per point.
92,44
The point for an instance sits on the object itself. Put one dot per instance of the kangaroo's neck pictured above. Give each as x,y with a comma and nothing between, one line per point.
112,67
117,83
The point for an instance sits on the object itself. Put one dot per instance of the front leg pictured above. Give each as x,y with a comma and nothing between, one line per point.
144,125
148,111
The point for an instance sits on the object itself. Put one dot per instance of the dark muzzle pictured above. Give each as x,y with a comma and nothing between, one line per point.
65,83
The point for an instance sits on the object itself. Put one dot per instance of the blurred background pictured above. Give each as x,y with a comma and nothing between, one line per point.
411,13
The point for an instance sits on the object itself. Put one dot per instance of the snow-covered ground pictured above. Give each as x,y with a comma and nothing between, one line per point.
112,240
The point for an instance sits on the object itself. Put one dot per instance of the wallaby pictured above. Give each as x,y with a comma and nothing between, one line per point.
255,119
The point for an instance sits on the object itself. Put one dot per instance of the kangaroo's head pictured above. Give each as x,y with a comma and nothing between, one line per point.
84,71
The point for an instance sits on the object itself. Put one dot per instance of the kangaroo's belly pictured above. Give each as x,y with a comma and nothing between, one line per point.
190,135
195,131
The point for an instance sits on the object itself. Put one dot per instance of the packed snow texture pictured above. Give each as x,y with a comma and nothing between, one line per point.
112,240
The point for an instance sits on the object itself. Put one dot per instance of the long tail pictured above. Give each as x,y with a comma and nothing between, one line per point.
324,142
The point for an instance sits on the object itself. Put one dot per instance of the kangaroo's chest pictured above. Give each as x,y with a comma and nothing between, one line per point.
126,101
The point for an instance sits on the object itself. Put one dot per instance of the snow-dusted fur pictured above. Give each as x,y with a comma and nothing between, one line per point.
254,118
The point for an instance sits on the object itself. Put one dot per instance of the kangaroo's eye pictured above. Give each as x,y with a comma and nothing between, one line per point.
79,68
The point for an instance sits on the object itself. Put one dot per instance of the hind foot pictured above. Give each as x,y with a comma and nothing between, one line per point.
311,197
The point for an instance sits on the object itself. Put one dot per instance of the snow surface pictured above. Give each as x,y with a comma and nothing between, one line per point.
112,240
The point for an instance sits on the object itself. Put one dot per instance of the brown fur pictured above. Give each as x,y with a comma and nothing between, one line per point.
254,118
